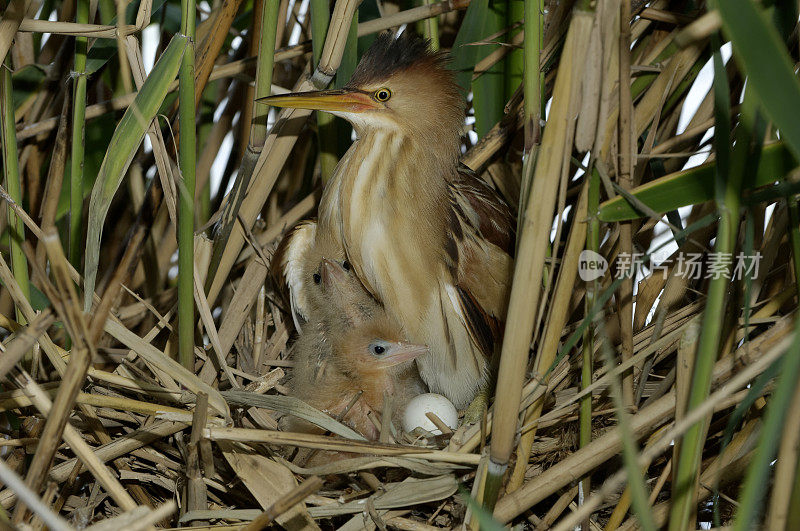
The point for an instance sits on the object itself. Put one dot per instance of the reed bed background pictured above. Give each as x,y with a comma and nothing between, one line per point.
145,346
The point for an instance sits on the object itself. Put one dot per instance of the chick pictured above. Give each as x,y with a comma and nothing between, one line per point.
315,304
348,344
369,358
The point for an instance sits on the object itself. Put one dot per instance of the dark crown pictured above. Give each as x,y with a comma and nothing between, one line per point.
388,55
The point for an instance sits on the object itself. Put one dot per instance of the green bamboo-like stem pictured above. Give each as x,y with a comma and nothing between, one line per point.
349,62
592,244
187,155
515,61
429,27
326,132
752,494
533,86
258,134
728,203
264,69
489,88
784,497
76,241
19,264
320,18
532,46
794,237
203,199
326,123
750,501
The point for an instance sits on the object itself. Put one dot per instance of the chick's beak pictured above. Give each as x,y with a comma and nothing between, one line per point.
332,272
345,100
402,352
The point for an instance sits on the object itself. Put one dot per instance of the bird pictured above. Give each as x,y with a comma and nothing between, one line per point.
427,238
300,261
347,354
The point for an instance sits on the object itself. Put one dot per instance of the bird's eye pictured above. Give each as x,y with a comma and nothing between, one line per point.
346,265
382,94
317,278
378,349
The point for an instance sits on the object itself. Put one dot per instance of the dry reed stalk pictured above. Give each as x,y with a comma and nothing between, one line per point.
557,509
780,502
474,436
626,156
624,503
251,334
211,329
410,15
730,463
700,29
116,448
15,11
280,142
644,421
16,400
70,312
235,68
164,162
77,30
557,319
53,520
196,493
579,463
534,241
24,340
665,440
297,495
210,47
42,402
136,519
337,444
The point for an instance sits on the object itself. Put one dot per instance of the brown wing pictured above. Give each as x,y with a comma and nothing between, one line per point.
481,246
484,210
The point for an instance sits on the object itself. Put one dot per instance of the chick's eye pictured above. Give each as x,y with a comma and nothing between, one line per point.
378,349
346,265
383,94
317,278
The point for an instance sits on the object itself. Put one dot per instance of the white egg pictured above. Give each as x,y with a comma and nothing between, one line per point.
414,416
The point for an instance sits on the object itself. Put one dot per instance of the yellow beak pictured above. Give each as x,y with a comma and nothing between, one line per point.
349,101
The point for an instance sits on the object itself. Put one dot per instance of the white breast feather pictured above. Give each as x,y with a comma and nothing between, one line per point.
301,241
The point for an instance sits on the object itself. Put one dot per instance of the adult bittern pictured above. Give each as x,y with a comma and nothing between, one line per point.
426,237
352,353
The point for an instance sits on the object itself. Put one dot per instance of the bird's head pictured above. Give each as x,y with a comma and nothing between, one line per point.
376,347
399,85
337,289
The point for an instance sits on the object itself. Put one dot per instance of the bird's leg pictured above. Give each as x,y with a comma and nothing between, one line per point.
479,404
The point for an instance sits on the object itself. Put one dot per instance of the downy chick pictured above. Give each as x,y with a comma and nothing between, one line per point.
315,304
348,344
371,359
